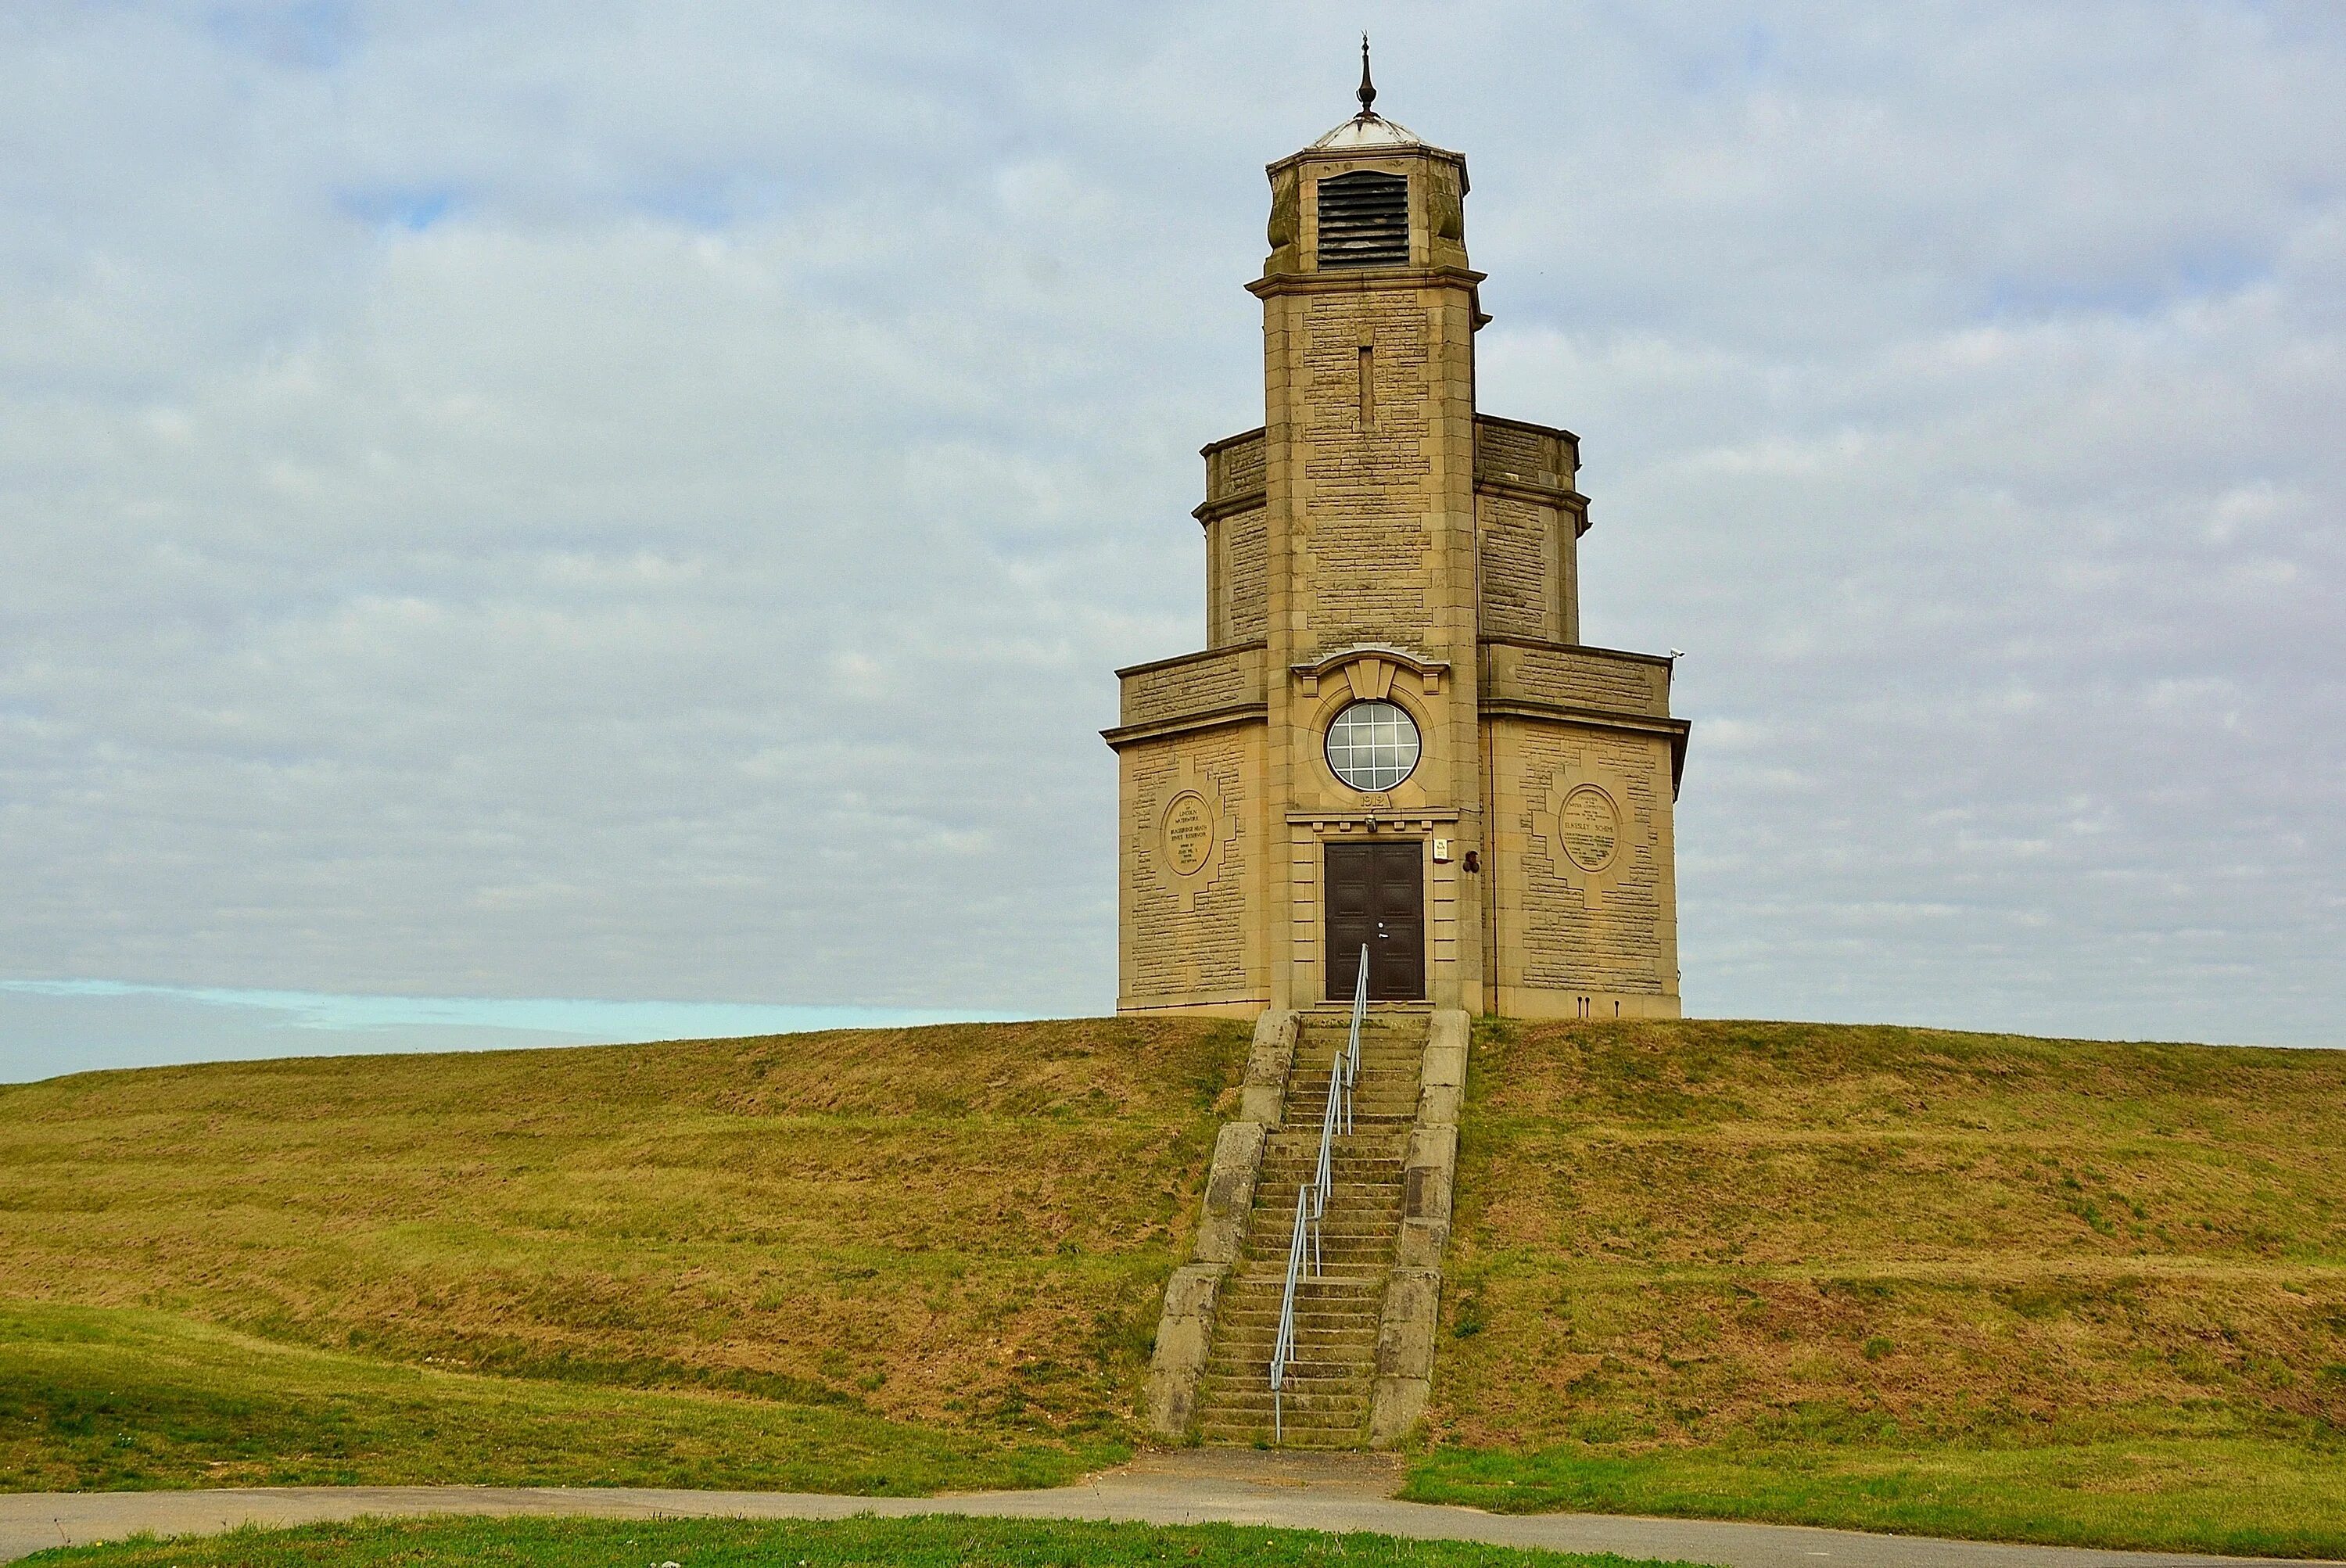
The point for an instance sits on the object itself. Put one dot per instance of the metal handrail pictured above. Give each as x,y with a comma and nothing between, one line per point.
1311,1197
1282,1350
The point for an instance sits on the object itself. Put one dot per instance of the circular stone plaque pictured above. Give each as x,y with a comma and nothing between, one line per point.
1589,825
1189,833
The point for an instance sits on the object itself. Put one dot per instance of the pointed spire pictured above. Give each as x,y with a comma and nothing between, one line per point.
1368,129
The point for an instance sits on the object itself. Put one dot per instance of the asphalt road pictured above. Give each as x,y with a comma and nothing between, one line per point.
1346,1494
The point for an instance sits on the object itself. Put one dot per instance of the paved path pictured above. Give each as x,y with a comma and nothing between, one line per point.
1336,1492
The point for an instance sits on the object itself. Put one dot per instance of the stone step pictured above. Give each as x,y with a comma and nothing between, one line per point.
1340,1221
1348,1156
1352,1350
1297,1429
1336,1336
1294,1403
1331,1253
1361,1289
1373,1116
1328,1386
1335,1428
1320,1327
1328,1289
1345,1226
1303,1412
1237,1312
1350,1193
1251,1358
1307,1362
1369,1141
1237,1385
1348,1253
1330,1427
1328,1238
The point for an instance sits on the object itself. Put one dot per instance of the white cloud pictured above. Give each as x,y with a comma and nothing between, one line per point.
531,501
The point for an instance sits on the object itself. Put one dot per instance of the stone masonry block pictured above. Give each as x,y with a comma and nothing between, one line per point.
1425,1194
1396,1407
1446,1050
1421,1242
1229,1191
1191,1292
1413,1307
1184,1335
1433,1146
1263,1098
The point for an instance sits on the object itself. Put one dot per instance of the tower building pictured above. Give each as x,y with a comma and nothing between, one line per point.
1394,739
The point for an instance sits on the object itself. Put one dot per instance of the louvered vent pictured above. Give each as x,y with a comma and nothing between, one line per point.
1365,220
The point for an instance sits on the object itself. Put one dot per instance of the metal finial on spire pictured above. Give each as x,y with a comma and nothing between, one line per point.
1368,93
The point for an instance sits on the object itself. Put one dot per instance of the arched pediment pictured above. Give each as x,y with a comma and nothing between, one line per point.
1370,667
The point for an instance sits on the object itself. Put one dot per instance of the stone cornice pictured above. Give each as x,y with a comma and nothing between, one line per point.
1124,735
1550,645
1360,279
1562,499
1206,512
1253,645
1398,152
1675,729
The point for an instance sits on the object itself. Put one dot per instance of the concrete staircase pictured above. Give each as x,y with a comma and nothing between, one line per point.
1329,1386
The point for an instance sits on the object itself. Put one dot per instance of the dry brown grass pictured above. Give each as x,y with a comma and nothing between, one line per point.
1699,1232
961,1223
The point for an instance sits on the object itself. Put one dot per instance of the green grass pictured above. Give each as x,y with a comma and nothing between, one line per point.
99,1398
1976,1285
2206,1494
912,1257
1898,1279
946,1542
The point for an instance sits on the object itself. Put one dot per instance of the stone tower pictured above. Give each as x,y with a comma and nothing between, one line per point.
1394,739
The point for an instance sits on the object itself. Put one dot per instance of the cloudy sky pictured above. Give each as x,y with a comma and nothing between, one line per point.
641,502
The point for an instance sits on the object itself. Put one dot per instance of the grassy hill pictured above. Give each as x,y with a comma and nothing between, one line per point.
2067,1290
1977,1283
885,1236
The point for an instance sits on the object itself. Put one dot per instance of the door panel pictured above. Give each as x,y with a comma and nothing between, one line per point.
1376,898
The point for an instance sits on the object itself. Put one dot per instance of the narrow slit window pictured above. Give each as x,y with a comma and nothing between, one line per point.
1368,387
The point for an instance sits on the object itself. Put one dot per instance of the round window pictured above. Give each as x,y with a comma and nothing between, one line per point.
1373,746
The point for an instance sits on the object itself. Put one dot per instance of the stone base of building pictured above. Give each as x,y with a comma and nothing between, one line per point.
1521,1001
1248,1007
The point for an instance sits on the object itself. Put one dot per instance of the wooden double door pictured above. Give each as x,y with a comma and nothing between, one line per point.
1376,899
